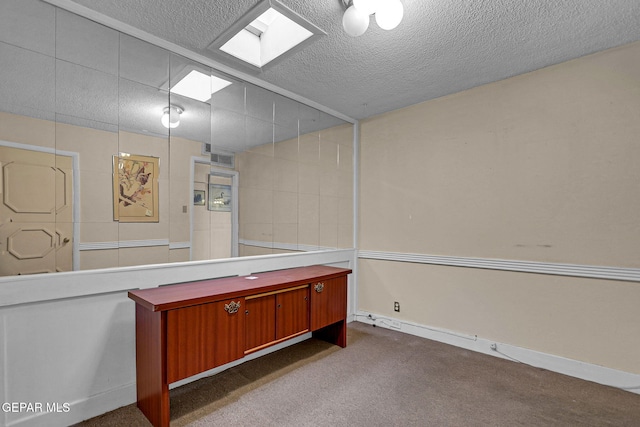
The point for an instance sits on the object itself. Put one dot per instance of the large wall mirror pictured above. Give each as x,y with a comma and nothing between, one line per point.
111,158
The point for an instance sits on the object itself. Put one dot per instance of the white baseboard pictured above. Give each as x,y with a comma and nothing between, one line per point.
79,410
113,399
599,374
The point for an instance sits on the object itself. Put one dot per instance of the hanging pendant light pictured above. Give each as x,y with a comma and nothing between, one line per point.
355,20
389,14
367,6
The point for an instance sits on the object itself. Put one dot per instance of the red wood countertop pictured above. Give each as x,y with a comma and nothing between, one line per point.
204,291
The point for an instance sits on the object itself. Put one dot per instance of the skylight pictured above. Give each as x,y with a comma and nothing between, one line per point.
199,86
265,33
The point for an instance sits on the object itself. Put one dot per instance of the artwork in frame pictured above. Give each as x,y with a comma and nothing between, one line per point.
135,188
219,198
198,197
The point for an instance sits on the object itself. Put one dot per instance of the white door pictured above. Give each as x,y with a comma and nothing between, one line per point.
36,212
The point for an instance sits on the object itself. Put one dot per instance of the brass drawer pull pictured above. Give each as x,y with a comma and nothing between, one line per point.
232,307
319,287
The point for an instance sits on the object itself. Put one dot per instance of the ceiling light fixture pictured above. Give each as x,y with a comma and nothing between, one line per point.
171,116
355,20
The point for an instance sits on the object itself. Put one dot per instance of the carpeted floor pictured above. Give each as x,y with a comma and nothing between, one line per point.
387,378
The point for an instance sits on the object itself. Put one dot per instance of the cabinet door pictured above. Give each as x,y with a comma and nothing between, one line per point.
190,341
292,312
228,330
328,302
260,321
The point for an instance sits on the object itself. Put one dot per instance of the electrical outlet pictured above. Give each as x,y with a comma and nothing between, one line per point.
396,306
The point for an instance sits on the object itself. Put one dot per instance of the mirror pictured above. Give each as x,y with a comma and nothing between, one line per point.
92,178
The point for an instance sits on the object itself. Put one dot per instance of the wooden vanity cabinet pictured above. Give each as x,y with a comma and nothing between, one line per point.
185,329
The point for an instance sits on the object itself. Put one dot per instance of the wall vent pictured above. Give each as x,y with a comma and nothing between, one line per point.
218,157
224,160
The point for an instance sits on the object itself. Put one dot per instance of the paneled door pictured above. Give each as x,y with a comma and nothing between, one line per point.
36,212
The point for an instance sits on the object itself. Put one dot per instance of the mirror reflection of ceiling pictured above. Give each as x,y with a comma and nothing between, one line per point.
236,118
440,47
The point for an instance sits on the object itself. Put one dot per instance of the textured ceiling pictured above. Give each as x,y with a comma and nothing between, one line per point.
441,46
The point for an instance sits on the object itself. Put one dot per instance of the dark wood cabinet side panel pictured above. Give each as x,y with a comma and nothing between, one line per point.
330,304
229,330
335,333
190,343
151,386
260,323
292,312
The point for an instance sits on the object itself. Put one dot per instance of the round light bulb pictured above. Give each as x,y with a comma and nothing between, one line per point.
389,14
171,117
355,22
367,6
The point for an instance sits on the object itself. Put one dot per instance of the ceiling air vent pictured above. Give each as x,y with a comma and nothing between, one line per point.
224,160
218,157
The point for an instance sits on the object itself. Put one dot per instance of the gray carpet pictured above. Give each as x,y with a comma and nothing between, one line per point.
386,378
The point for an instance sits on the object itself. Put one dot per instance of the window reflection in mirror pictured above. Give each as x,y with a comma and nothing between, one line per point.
82,139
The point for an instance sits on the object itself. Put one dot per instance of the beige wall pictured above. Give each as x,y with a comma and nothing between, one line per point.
540,167
298,192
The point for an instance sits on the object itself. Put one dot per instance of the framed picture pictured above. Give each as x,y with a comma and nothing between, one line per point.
219,198
198,197
135,188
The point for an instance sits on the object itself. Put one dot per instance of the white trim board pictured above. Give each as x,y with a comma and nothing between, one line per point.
96,246
285,246
599,374
558,269
34,288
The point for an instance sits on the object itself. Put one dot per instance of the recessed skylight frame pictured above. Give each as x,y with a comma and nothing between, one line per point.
255,29
199,86
198,83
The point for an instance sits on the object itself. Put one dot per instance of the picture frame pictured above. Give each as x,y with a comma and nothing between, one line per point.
219,198
135,188
199,197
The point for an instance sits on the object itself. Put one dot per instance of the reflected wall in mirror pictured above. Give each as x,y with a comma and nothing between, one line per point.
75,94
